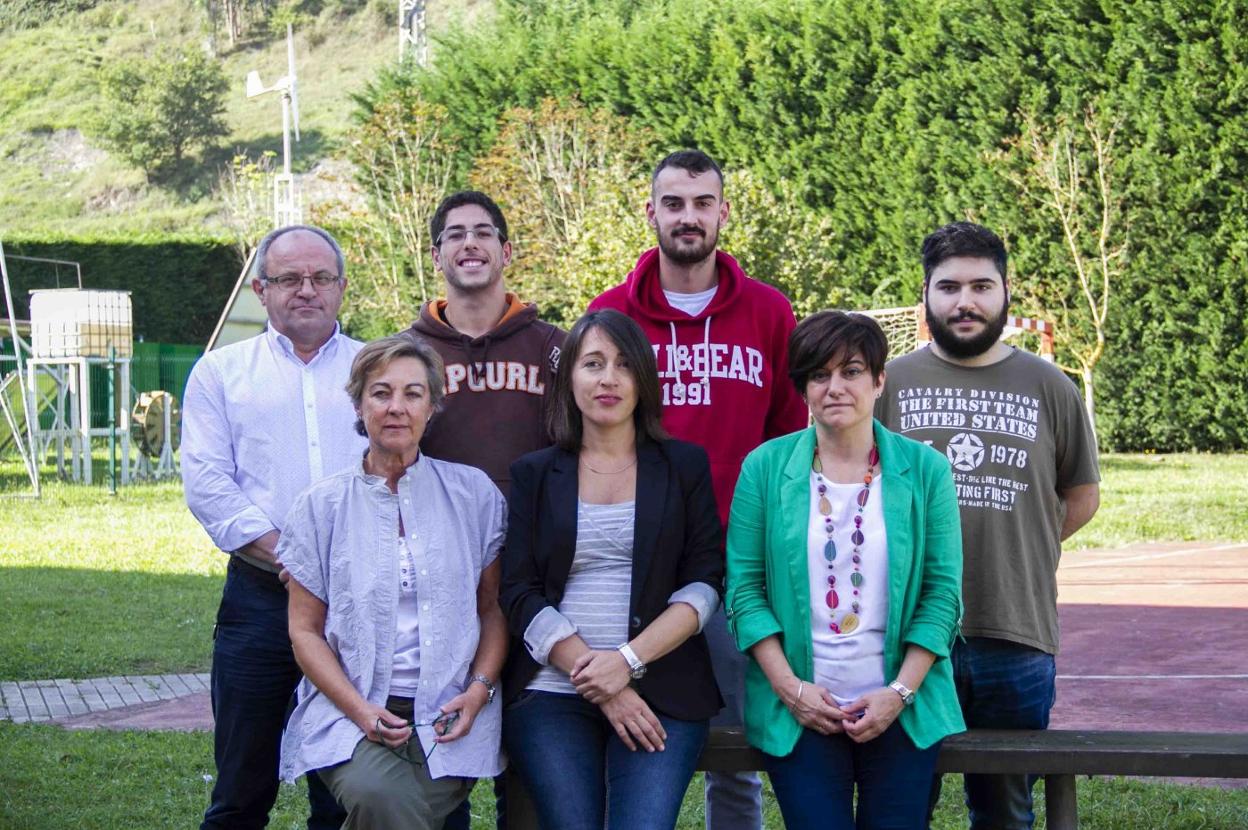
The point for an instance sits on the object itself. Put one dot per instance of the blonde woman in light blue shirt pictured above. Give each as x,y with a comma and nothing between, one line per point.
394,613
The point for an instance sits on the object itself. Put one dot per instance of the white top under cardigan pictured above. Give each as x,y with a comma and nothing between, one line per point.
341,543
848,665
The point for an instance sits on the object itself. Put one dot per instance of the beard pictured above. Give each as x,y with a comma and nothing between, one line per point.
966,347
686,254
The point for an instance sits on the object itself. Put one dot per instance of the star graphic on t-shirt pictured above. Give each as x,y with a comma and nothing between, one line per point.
965,451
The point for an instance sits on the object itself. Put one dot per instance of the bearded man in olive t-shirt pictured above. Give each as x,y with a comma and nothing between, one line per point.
1025,465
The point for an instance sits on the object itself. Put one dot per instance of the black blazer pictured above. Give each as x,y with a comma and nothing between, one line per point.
677,541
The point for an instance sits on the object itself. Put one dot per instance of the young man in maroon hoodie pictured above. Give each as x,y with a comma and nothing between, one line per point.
721,341
500,360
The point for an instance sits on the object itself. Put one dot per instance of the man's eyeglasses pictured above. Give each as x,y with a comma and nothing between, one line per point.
321,281
482,233
442,724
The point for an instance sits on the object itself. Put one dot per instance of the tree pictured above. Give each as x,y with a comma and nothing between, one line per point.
158,109
1068,170
572,182
245,188
402,165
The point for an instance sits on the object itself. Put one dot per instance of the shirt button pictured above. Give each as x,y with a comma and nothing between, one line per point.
425,607
428,642
424,572
636,622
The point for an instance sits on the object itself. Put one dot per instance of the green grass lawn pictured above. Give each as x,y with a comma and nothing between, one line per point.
94,585
1169,498
102,780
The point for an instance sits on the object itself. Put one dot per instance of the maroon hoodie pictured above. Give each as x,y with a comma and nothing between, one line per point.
742,395
494,410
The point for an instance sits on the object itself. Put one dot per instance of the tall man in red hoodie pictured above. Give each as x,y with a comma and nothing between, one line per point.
721,341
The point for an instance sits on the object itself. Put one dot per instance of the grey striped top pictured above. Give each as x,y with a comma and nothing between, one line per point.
595,599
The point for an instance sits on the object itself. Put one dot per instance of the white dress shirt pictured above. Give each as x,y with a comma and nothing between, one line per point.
258,426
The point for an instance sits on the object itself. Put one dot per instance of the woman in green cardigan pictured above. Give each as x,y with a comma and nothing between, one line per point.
844,585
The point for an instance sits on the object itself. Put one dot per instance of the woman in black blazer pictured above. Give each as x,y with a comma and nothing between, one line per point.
613,563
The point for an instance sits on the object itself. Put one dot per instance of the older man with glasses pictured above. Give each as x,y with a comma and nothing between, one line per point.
263,419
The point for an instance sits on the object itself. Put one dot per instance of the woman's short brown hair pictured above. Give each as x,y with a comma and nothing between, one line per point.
380,353
827,334
566,427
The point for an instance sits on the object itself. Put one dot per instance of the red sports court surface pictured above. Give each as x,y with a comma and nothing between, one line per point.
1154,637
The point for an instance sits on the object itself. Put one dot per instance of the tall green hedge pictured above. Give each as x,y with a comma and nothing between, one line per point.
178,285
883,115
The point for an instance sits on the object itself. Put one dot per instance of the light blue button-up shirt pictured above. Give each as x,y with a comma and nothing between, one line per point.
259,426
341,543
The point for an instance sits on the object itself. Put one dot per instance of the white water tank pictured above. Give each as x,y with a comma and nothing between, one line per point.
76,322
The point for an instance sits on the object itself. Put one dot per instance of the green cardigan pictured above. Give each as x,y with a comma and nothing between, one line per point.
769,588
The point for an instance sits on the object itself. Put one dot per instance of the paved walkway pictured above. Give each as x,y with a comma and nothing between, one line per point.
63,700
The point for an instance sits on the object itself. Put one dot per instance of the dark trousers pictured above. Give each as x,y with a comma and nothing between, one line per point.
815,783
1001,685
254,675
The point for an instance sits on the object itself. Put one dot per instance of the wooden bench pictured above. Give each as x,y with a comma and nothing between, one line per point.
1056,754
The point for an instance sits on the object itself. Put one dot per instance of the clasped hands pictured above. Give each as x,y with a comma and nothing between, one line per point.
861,720
454,721
601,677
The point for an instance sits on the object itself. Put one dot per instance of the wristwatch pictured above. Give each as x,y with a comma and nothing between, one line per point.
490,688
636,668
907,694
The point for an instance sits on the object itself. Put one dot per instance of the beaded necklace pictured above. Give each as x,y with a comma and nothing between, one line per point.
850,618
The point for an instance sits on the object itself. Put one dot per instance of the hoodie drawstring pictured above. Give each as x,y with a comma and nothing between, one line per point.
674,360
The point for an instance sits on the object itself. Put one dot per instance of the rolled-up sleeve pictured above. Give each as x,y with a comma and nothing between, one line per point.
938,612
750,617
548,628
703,598
208,467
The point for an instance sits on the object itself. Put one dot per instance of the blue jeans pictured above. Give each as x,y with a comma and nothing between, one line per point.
734,800
253,680
1002,685
580,774
814,784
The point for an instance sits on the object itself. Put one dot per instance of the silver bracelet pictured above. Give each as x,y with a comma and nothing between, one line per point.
801,684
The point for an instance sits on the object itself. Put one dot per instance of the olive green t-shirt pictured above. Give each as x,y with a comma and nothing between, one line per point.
1016,434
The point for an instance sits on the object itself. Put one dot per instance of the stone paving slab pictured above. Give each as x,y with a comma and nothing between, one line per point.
40,700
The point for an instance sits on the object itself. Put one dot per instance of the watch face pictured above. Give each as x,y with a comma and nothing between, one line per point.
638,673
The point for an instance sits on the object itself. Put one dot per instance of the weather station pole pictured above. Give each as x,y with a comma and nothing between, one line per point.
286,208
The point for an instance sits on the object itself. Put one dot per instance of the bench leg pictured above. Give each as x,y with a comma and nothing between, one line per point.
1061,808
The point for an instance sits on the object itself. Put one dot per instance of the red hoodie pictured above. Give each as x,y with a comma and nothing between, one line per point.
743,396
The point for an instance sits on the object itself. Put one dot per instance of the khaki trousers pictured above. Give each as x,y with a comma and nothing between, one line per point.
384,789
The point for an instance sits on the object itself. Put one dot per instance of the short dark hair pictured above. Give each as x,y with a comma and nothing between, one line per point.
828,334
962,239
566,427
695,162
467,197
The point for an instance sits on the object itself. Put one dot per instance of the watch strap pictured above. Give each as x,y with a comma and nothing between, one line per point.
635,666
907,694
